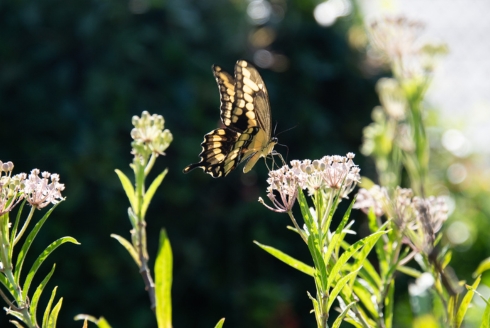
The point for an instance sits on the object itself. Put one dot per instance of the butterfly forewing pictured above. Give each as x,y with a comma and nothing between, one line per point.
245,113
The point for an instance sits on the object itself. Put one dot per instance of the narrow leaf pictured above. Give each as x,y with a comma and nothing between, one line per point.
305,212
16,226
38,292
389,305
41,259
338,287
53,317
47,311
366,298
335,242
101,322
28,242
16,323
318,260
129,247
466,302
485,320
287,259
338,321
128,188
151,191
409,271
163,282
482,267
220,323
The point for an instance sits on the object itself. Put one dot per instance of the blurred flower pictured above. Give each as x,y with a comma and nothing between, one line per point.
149,135
392,98
39,192
418,218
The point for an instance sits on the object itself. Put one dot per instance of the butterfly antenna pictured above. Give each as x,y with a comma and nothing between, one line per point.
284,130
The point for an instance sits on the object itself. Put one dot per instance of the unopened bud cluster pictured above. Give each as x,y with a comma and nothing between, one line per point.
149,135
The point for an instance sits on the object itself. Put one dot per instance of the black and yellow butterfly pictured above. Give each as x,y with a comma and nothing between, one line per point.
246,115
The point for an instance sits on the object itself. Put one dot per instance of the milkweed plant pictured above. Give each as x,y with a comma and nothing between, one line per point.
405,222
21,197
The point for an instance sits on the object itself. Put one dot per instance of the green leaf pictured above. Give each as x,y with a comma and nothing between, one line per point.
101,322
338,287
128,188
37,294
41,259
365,296
151,191
482,267
337,237
16,323
287,259
380,252
466,302
16,226
220,323
425,321
163,282
47,311
53,317
7,284
485,320
409,271
389,305
28,242
318,260
366,244
305,212
338,321
129,247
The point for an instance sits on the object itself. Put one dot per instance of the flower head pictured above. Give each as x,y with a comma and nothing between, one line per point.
336,174
41,191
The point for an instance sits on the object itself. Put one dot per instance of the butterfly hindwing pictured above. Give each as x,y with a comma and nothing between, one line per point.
245,113
218,155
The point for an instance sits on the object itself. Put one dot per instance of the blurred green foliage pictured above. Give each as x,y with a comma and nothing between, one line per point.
73,74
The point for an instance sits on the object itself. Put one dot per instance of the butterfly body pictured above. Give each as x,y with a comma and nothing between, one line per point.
246,116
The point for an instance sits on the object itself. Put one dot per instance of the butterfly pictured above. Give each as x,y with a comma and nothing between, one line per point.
246,115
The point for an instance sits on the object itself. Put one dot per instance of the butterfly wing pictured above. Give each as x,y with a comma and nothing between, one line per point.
219,154
245,113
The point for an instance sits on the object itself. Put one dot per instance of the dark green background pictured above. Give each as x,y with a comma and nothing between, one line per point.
73,73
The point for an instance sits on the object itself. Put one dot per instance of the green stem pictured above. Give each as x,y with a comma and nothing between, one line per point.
24,227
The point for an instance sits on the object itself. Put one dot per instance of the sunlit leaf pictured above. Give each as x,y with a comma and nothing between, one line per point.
28,242
129,247
389,304
482,267
463,307
38,292
485,320
318,260
53,317
305,212
163,282
338,287
47,311
338,321
15,226
220,323
151,191
425,321
101,322
41,259
128,188
287,259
